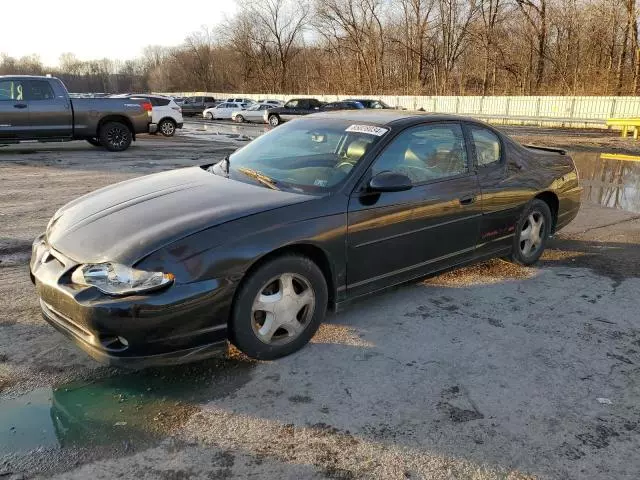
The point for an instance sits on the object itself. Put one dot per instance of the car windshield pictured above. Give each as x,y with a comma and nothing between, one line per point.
307,155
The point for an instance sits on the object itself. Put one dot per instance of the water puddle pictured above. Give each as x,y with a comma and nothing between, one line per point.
217,132
127,409
609,179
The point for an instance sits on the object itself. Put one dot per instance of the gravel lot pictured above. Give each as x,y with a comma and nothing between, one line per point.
489,372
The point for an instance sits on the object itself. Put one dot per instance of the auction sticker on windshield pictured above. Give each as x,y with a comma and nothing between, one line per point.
370,129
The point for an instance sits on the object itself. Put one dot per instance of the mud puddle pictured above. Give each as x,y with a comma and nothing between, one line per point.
132,408
609,179
219,132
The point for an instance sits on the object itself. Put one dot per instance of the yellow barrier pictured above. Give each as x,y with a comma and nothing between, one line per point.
620,156
626,124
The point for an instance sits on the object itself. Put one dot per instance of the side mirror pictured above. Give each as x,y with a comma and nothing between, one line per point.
389,182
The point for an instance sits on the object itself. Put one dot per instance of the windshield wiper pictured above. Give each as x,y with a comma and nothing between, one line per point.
260,177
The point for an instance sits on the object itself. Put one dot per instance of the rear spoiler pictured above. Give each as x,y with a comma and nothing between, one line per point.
547,149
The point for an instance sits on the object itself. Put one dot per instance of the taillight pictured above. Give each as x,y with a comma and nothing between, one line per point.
146,106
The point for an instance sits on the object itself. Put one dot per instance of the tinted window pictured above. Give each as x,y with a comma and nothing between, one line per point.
209,99
425,153
292,104
39,90
11,90
161,102
487,146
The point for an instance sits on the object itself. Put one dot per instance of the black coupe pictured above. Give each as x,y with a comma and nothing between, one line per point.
255,248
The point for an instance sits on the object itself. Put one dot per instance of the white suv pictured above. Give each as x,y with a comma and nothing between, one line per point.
165,112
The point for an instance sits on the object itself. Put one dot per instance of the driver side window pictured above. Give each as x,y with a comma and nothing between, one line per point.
425,153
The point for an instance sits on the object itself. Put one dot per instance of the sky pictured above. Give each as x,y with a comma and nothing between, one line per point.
114,29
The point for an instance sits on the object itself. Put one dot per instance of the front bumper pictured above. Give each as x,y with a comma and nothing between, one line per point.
153,128
183,323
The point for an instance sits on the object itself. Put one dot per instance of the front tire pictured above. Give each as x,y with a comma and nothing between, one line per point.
274,120
532,232
167,127
239,119
279,307
115,136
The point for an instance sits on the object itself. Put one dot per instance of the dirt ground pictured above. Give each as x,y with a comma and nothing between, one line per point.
489,372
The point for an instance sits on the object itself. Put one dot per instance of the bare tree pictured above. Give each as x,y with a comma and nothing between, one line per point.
279,26
535,12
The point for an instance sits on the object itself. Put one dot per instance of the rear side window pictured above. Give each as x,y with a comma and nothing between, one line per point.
487,145
161,102
39,90
209,99
11,90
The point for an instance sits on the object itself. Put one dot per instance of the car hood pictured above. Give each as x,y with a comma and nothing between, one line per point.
129,220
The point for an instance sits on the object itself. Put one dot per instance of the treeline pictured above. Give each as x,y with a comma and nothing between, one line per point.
404,47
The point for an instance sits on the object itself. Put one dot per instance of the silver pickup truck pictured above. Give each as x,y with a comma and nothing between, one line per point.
40,109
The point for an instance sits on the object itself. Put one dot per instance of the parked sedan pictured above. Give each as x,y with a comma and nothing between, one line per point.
223,110
253,113
308,217
292,109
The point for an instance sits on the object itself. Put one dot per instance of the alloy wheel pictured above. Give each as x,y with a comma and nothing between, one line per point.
117,136
532,234
167,128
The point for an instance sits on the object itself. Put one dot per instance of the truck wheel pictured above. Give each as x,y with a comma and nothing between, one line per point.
274,120
167,127
115,136
94,141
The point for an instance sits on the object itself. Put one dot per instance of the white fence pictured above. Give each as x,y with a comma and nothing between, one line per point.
547,110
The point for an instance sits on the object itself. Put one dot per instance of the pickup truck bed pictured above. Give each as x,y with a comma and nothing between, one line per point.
39,108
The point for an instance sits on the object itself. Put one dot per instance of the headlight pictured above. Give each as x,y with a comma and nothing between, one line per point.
116,279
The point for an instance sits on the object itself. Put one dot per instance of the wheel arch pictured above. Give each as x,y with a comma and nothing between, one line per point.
116,118
552,200
171,119
309,250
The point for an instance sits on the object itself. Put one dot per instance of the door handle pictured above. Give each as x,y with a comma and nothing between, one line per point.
467,200
20,105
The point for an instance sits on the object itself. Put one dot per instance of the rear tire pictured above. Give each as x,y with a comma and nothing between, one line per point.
167,127
274,120
94,141
294,308
208,116
115,136
239,119
531,234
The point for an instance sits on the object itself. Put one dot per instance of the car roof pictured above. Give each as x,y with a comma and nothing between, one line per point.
390,117
39,77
